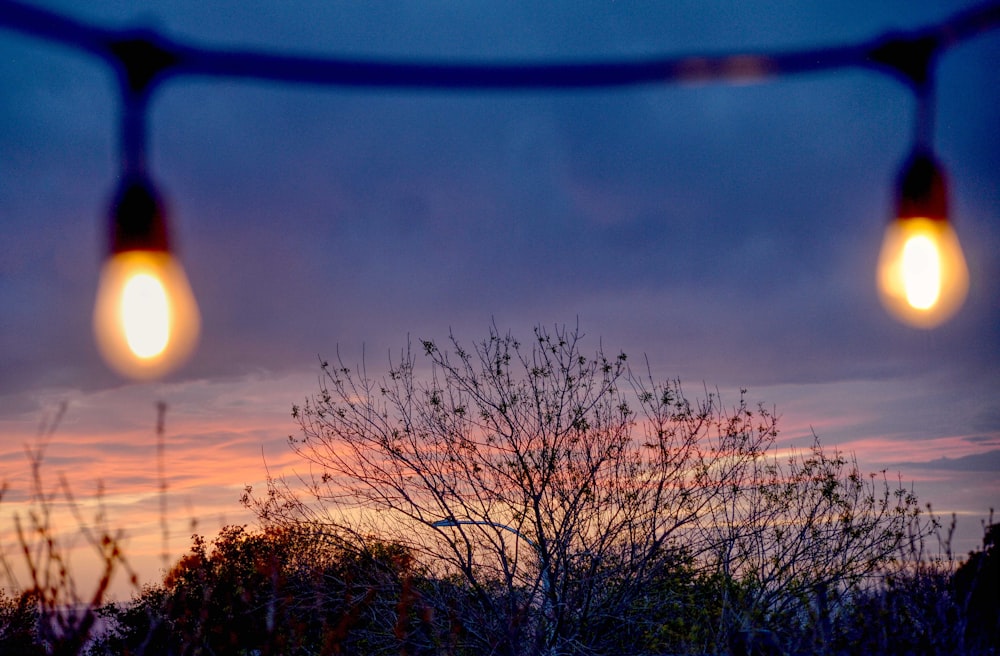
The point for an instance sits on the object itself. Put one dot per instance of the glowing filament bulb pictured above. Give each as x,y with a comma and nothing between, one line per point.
922,275
146,319
145,315
921,272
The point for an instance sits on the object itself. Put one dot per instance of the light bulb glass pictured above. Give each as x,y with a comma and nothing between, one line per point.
922,275
145,319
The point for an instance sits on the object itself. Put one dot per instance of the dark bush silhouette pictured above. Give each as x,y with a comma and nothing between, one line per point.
273,592
19,625
976,586
923,604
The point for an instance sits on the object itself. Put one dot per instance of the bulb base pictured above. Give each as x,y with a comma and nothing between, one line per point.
922,189
138,219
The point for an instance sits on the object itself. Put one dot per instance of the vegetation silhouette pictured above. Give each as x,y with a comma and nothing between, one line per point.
522,498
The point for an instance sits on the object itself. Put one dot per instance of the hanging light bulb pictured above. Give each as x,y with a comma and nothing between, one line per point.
146,318
922,275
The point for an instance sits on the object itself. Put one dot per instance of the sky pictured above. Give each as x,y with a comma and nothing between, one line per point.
726,233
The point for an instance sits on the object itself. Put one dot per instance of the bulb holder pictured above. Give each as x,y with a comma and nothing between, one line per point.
138,219
921,189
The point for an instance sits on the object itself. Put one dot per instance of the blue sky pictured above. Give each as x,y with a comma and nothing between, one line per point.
727,233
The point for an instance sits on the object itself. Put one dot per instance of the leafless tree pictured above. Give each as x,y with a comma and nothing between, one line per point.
799,532
560,486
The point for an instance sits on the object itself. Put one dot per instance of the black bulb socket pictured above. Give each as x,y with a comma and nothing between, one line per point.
138,219
922,190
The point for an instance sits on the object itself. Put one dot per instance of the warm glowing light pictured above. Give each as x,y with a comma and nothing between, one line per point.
146,315
921,272
922,275
145,318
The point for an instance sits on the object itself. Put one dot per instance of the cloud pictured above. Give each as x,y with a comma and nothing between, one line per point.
988,440
987,461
